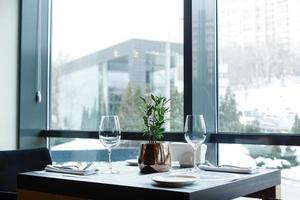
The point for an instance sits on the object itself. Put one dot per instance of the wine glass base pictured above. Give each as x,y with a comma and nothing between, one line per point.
195,170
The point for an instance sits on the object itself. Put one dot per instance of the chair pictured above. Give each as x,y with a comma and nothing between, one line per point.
18,161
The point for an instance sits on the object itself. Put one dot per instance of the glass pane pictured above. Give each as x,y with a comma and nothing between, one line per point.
203,52
90,150
203,66
105,54
286,158
259,74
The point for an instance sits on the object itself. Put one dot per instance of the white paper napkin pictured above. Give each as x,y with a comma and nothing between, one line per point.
70,170
227,168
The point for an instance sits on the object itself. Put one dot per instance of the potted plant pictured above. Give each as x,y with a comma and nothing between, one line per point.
154,156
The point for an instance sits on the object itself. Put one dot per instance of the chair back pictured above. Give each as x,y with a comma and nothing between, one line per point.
18,161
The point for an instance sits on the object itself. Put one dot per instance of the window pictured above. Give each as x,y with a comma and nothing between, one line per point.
240,69
105,54
258,82
258,68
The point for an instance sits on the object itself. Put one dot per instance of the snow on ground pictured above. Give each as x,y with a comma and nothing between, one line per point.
238,155
292,174
79,144
276,103
235,154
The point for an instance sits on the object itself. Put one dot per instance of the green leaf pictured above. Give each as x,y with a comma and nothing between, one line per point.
149,111
154,116
143,99
153,97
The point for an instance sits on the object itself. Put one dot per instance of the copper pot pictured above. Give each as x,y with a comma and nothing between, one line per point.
154,157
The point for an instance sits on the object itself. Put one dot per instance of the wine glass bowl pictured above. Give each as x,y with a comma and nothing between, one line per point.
195,133
110,136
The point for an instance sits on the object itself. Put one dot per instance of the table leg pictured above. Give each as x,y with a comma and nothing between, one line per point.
271,193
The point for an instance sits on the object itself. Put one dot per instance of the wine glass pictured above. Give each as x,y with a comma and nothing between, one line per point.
195,133
110,136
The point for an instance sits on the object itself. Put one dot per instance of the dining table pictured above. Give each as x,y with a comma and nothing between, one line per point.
131,184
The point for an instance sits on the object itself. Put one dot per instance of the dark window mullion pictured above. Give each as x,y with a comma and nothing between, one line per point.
188,69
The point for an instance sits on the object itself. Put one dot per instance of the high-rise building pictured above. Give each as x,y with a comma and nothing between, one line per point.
260,21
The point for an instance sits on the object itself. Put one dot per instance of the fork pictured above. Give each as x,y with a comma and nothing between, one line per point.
87,166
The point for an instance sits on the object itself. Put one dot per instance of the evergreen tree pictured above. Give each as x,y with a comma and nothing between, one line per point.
296,125
130,111
229,116
253,127
273,152
94,117
90,118
84,118
291,155
176,111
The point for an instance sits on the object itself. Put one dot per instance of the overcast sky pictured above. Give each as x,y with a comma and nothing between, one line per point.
81,27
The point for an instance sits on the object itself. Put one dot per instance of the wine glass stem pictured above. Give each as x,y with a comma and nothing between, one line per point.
195,158
109,159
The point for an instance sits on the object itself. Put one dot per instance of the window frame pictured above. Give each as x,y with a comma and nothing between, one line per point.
34,117
33,114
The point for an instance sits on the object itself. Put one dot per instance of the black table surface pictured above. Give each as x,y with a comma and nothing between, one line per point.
131,184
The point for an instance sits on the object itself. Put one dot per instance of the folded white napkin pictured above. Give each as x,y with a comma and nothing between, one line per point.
70,170
228,168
